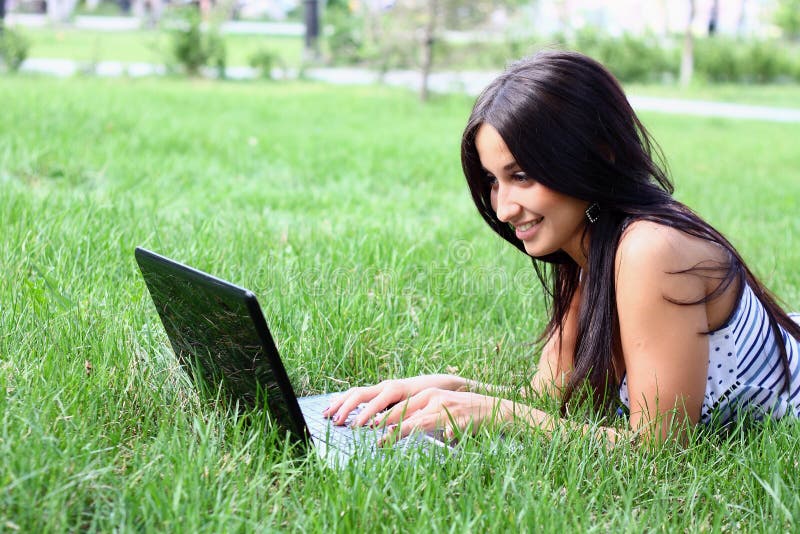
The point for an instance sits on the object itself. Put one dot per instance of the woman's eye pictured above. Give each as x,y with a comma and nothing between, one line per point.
491,180
520,177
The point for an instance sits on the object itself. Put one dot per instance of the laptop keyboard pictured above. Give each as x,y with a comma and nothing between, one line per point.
337,435
345,438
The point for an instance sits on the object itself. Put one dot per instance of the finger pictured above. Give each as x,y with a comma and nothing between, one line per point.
379,403
451,434
420,422
403,410
365,394
336,402
351,399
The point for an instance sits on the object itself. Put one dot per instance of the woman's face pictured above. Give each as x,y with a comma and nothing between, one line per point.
544,220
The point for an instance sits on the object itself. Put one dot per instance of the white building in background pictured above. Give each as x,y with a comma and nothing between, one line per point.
539,17
733,17
546,17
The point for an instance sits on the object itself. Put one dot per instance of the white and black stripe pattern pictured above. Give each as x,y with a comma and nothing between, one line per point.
745,373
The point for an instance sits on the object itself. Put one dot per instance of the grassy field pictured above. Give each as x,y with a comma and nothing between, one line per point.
344,209
148,46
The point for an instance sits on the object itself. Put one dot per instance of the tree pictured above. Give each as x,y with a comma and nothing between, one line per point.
428,41
787,17
412,30
311,16
392,34
713,18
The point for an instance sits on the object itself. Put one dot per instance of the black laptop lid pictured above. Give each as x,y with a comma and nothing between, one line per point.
218,329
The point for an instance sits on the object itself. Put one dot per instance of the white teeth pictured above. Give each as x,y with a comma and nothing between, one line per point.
528,226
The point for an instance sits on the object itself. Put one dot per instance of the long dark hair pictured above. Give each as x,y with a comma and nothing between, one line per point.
568,124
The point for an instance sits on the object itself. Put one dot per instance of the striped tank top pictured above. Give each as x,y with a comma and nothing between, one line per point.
745,373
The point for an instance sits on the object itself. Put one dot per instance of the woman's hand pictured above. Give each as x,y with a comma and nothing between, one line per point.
435,408
382,395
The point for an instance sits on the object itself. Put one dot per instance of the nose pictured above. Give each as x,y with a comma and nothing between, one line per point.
504,205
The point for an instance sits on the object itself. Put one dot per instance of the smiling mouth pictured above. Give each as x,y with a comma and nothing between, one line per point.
527,226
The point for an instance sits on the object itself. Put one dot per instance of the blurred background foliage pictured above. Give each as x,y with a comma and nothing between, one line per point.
726,41
464,38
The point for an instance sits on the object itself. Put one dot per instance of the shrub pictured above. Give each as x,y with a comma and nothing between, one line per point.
795,61
787,17
192,46
13,49
631,59
345,39
264,60
764,62
718,59
635,60
721,59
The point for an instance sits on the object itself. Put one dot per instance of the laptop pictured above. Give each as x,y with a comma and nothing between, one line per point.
220,337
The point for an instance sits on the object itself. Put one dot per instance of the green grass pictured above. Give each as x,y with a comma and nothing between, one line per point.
147,46
344,209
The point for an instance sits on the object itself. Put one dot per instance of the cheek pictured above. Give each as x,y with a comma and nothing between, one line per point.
493,199
549,199
561,206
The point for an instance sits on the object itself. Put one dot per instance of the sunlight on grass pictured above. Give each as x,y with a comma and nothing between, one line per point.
345,210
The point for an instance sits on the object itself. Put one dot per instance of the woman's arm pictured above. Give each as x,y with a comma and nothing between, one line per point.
665,350
558,355
458,411
555,366
664,345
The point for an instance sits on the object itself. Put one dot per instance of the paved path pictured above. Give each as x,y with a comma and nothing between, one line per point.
469,82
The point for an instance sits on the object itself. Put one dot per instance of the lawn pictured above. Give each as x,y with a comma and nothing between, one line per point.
345,211
147,46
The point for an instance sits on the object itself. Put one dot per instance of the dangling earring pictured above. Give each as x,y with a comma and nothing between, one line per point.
593,212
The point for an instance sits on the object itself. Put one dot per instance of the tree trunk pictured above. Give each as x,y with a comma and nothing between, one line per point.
2,15
687,57
713,18
311,17
427,48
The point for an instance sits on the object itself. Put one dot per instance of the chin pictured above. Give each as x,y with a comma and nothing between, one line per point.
536,252
540,253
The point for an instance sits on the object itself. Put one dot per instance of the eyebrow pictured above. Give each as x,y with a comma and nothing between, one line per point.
508,167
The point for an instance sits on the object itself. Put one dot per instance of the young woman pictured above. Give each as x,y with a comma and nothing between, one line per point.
651,308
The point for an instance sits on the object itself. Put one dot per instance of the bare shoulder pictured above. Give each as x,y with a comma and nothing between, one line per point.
652,257
647,242
664,351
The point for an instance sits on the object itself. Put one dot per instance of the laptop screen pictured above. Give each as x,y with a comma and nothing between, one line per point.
211,328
